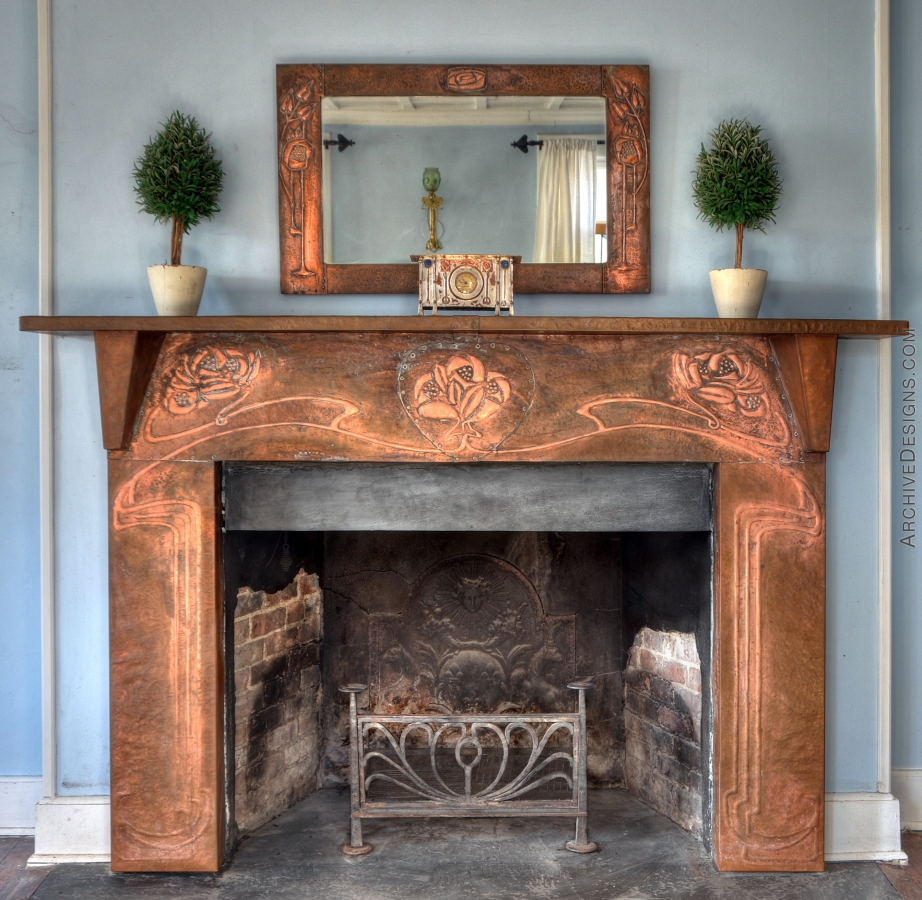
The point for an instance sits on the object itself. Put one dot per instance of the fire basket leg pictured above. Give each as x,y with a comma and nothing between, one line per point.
355,847
581,843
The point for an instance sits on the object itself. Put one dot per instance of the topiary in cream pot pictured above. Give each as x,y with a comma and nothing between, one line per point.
737,184
178,180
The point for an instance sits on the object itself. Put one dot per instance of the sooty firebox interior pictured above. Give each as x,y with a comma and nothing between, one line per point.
471,619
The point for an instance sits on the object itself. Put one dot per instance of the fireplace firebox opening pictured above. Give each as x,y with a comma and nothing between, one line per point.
466,621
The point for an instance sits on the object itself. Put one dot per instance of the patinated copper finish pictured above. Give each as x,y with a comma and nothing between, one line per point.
459,390
166,676
465,397
357,80
808,363
626,90
769,666
124,360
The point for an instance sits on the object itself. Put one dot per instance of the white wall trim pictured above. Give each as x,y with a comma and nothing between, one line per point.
46,406
863,826
71,829
884,388
18,797
907,788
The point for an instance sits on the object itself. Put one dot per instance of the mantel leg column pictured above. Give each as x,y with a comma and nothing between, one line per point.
769,666
166,671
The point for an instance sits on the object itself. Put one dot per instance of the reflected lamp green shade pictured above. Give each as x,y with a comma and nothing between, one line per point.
431,179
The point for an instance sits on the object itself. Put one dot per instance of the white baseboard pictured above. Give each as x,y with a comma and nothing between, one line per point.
863,826
859,826
71,829
18,797
907,788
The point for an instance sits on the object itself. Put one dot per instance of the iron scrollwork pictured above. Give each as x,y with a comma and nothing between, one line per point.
415,756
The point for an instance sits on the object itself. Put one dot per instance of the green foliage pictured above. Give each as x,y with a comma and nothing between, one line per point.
178,178
736,182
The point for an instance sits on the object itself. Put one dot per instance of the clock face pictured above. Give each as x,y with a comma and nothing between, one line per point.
465,282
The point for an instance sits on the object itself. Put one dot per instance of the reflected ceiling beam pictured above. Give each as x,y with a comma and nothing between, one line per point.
407,118
578,112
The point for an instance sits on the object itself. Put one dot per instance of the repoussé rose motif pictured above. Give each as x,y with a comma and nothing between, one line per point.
462,392
724,378
210,374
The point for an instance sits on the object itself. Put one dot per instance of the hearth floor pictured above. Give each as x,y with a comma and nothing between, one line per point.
643,856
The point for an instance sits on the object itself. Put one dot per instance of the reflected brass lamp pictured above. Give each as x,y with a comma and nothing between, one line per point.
432,178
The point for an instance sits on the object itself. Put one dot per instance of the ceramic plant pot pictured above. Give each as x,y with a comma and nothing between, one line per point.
738,292
177,290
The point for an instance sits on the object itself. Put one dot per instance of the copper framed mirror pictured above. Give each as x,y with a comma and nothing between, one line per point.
375,178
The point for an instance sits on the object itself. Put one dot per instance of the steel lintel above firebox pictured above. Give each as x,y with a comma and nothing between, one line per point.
475,497
180,397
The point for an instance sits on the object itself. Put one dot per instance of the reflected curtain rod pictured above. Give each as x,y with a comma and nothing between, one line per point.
340,143
523,143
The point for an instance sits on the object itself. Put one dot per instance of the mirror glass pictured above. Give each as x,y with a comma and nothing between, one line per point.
546,204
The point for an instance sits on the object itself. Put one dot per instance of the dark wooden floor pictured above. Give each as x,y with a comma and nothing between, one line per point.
908,879
17,882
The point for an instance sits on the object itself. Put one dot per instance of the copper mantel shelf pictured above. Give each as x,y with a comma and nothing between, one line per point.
868,328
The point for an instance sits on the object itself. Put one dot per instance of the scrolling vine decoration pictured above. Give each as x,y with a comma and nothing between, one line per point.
464,733
296,151
629,151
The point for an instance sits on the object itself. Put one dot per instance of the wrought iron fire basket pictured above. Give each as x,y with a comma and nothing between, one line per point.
468,766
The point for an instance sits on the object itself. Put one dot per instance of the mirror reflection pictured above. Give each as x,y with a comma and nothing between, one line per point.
523,176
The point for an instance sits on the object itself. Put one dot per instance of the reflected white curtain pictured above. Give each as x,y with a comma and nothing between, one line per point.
565,226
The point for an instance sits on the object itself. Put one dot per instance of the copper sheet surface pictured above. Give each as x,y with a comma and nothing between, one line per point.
769,667
439,398
301,88
166,668
462,398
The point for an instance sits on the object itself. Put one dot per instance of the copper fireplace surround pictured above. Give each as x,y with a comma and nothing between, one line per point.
181,396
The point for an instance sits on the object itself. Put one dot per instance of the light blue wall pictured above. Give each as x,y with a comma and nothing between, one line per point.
20,649
906,135
804,71
81,564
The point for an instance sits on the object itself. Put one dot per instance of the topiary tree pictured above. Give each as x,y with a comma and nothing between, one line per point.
178,179
736,182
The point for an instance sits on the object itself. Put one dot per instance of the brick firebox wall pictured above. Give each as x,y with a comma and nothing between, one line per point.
277,699
662,723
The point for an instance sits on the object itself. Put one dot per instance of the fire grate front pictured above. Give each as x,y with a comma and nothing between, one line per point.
467,766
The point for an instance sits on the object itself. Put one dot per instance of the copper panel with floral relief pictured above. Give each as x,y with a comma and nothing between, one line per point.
439,398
